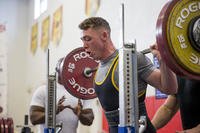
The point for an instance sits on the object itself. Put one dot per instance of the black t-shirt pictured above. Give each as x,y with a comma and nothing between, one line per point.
189,100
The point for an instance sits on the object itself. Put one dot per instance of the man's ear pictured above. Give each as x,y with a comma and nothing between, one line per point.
104,35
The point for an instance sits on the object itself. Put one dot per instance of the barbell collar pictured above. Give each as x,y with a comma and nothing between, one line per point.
194,33
88,72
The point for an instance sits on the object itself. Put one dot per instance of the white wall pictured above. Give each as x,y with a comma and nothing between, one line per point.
26,71
14,14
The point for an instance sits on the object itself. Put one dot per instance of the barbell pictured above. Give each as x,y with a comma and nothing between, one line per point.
77,73
178,39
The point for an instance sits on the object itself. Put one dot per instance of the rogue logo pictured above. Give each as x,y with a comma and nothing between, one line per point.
185,12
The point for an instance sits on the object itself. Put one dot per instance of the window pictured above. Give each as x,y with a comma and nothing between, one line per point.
40,6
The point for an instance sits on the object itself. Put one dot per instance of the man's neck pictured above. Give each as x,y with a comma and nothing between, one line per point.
108,50
113,54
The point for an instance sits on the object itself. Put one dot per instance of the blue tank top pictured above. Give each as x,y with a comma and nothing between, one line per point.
108,94
107,91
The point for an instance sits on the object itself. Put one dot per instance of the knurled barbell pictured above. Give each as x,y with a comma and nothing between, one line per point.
178,39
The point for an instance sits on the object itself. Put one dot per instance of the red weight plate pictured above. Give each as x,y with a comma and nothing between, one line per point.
5,125
1,125
163,44
72,74
10,125
161,37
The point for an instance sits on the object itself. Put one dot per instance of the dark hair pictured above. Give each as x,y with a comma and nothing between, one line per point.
94,22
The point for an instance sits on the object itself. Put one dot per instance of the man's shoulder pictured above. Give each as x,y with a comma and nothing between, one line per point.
40,89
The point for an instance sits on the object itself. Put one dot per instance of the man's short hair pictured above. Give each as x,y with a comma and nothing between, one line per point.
94,22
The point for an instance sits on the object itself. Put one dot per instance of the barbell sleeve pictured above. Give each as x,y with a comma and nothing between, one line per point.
91,70
88,71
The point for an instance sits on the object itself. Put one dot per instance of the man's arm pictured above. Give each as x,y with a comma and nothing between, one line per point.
163,78
86,116
37,115
165,112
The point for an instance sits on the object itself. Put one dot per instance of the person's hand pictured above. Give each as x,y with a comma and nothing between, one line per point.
77,110
86,116
60,106
192,130
155,51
